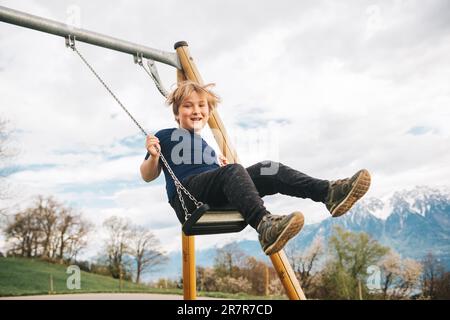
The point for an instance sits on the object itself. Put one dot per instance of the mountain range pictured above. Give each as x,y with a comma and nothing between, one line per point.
411,222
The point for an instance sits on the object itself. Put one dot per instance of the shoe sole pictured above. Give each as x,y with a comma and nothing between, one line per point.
294,226
360,188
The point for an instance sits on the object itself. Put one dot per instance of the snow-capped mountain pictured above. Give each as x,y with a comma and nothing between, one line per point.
418,222
411,222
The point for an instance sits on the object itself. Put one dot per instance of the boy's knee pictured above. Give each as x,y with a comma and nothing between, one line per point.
269,163
269,167
235,167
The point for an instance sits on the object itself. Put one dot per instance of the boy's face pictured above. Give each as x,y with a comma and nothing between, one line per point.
193,113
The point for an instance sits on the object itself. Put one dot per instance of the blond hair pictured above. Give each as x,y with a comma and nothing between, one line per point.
185,88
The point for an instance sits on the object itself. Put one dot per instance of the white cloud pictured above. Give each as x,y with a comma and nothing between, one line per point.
341,84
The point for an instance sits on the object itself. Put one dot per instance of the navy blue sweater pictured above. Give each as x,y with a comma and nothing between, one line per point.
187,154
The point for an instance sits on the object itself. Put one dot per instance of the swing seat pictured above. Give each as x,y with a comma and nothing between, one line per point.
214,220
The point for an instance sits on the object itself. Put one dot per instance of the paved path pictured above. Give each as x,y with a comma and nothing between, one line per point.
104,296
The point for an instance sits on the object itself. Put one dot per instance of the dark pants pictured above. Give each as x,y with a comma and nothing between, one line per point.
243,188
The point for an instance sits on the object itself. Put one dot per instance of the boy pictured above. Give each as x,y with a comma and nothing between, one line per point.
195,164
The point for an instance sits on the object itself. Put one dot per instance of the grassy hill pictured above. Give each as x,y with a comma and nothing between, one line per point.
20,276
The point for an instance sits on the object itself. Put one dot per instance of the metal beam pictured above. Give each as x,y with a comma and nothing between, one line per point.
60,29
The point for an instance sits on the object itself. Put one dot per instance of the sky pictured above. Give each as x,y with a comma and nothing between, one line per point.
326,87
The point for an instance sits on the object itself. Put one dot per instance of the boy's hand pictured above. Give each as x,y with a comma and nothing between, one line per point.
150,144
222,160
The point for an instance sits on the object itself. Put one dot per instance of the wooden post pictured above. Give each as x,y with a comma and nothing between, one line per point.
279,259
189,275
50,283
360,289
188,249
287,276
266,280
120,278
214,122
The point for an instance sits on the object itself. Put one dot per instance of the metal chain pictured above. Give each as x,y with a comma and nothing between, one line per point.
70,42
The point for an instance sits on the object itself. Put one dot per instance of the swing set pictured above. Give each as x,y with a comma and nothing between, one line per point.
204,219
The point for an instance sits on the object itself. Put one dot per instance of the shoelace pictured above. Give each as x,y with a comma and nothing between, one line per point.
340,181
274,217
345,185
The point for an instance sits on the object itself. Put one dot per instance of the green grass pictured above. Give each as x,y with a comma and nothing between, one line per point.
21,276
238,296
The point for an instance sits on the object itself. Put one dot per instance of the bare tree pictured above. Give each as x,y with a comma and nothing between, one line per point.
257,274
304,263
46,210
47,229
23,234
206,279
71,232
410,278
118,245
145,249
391,267
400,277
435,280
229,260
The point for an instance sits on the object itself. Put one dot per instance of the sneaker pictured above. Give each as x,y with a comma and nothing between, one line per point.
343,193
274,231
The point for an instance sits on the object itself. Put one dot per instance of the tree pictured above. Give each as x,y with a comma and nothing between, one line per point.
352,254
400,277
442,291
47,229
229,260
257,273
130,248
71,232
206,279
23,234
46,209
391,267
144,248
117,246
304,263
435,280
